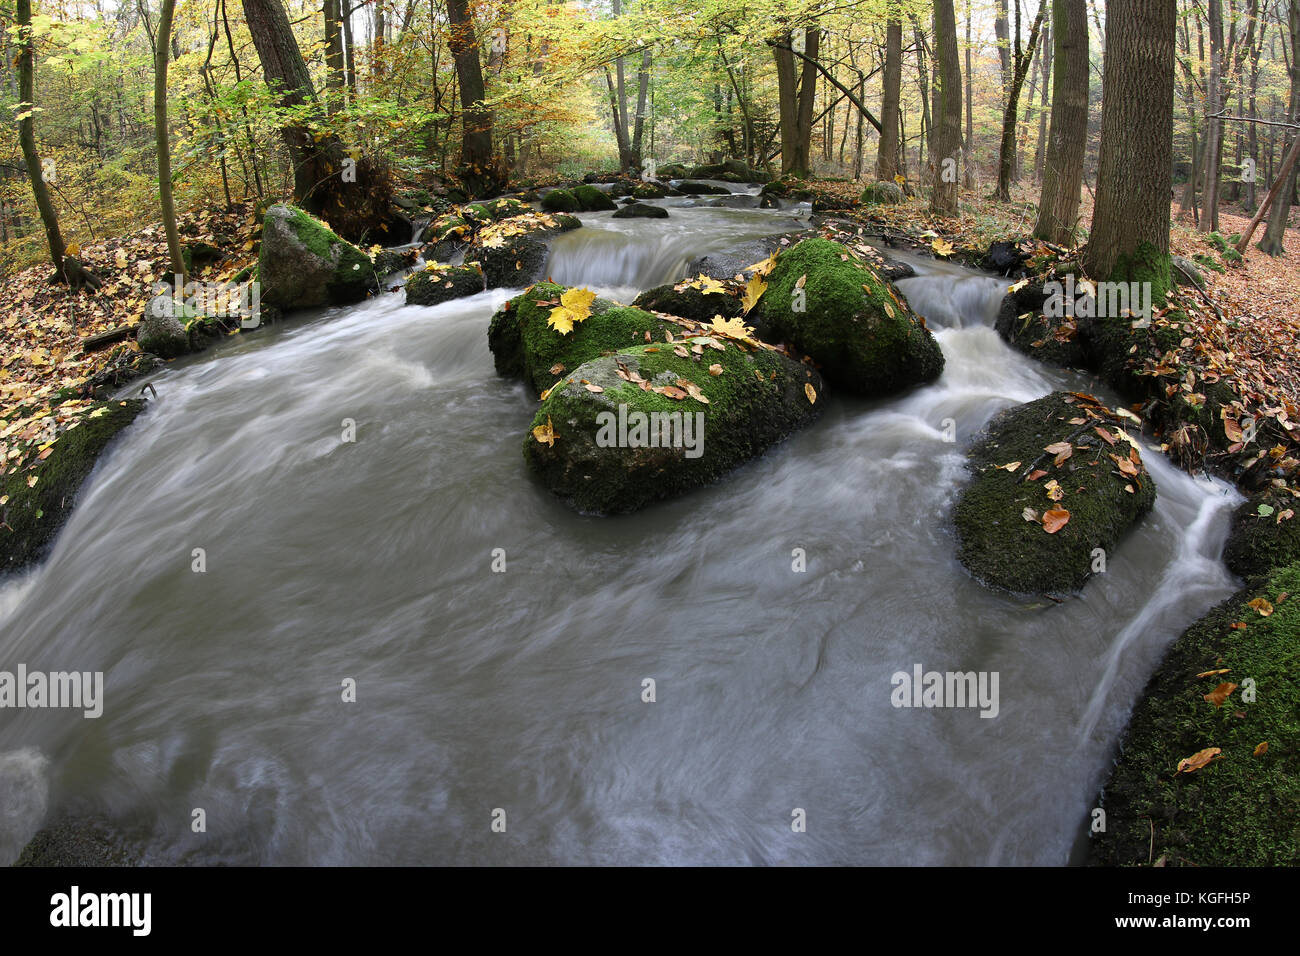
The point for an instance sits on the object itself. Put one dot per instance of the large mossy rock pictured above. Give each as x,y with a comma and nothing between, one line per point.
757,398
436,284
881,193
33,514
303,264
853,324
641,210
524,346
690,303
1262,537
1023,324
162,330
1243,807
512,253
1002,516
702,189
591,199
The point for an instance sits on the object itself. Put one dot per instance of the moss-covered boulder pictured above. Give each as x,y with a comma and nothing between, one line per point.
641,210
1029,525
162,330
648,190
524,345
304,264
672,171
1265,534
506,207
1023,324
836,309
512,253
591,199
437,283
627,429
690,302
561,200
702,189
1242,808
881,193
33,513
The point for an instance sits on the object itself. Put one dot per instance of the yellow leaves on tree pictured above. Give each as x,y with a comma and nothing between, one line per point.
575,306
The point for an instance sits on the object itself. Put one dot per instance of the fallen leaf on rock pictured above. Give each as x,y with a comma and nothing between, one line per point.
1061,449
1260,749
1221,670
1199,759
545,433
810,392
1010,466
1055,520
1220,693
1261,605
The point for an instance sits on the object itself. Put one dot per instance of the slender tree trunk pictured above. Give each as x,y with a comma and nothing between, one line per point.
1058,204
478,170
967,156
164,142
945,138
27,133
1271,243
1213,125
334,64
1010,117
1045,58
1130,224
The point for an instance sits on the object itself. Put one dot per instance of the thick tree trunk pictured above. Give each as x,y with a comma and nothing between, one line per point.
163,142
1130,224
887,155
334,64
795,92
1058,205
27,132
478,170
945,136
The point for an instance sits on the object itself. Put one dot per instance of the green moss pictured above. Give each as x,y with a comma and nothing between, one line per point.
881,193
1145,264
561,200
591,199
757,399
524,345
507,207
1258,541
33,515
1000,547
434,286
354,274
1243,809
864,335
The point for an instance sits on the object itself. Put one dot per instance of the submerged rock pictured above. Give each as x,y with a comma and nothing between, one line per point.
524,345
702,189
33,514
1238,807
436,284
837,310
1091,499
641,210
304,264
606,441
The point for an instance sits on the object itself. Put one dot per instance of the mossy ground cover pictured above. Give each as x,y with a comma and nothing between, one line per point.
36,500
1003,515
1243,807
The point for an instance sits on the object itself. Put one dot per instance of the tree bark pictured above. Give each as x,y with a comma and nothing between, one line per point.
1271,243
163,141
477,170
945,135
1010,116
1130,224
27,132
887,155
1058,204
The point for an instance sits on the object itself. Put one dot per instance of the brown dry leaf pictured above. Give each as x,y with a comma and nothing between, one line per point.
1199,759
1221,670
1036,474
715,369
1220,693
1010,466
671,392
1061,449
1261,605
545,433
593,388
1029,514
557,369
1260,749
1055,520
810,392
1106,436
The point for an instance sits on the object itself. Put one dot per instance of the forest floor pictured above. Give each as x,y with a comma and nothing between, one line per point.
46,378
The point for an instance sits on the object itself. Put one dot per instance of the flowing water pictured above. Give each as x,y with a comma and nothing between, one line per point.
522,690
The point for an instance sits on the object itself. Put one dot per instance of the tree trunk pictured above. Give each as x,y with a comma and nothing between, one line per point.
27,132
477,170
795,93
1213,125
334,65
1046,58
1058,204
164,143
1130,224
945,136
1271,242
1010,117
887,154
969,172
638,124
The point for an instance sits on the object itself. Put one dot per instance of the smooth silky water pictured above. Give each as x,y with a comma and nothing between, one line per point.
522,690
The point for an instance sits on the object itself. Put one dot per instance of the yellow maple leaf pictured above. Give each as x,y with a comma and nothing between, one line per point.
575,306
898,178
762,268
942,247
731,328
754,290
810,392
